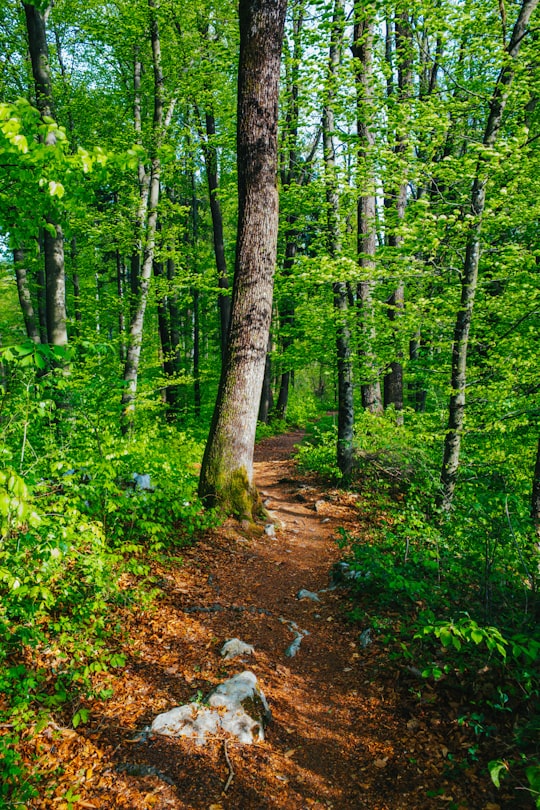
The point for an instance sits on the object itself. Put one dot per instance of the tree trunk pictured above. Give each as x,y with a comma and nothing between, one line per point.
120,287
174,317
535,501
144,184
41,285
456,410
76,286
227,468
341,298
131,367
366,206
290,174
393,379
267,400
25,298
211,164
53,244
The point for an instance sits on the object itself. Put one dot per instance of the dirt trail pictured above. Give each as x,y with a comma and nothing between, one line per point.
342,736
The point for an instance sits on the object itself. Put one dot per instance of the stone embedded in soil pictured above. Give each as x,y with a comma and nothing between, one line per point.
365,638
342,573
192,720
303,593
234,647
237,706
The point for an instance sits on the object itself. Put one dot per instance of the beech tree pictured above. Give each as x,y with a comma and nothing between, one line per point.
150,184
456,415
53,237
227,468
341,302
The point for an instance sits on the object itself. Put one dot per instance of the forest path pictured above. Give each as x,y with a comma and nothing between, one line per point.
346,733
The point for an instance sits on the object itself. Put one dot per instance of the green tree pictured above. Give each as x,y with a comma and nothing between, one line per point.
226,474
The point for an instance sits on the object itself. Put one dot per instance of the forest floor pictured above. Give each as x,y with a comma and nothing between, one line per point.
349,729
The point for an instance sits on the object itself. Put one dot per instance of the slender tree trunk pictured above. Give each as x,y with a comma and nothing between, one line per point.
341,299
196,300
211,164
53,244
396,203
131,367
55,288
267,399
366,206
76,286
535,500
456,410
25,298
227,468
174,317
163,323
41,296
144,177
290,174
120,288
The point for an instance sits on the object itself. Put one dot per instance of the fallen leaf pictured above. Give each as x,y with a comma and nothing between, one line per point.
290,753
381,763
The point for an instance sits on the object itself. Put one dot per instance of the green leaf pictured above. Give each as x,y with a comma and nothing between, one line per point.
497,767
56,189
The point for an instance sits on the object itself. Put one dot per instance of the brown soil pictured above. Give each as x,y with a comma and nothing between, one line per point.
347,730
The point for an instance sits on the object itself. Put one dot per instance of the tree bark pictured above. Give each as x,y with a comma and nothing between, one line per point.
267,400
211,165
535,500
341,298
25,298
290,174
396,203
227,468
366,205
53,244
456,410
131,367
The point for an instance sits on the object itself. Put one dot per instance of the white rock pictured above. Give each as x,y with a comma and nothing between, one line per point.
236,706
234,647
193,720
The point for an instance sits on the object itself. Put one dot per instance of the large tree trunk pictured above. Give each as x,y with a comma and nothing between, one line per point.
366,206
53,244
341,298
227,468
456,411
25,298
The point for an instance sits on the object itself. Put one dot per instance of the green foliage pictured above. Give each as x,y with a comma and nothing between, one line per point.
409,561
76,535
